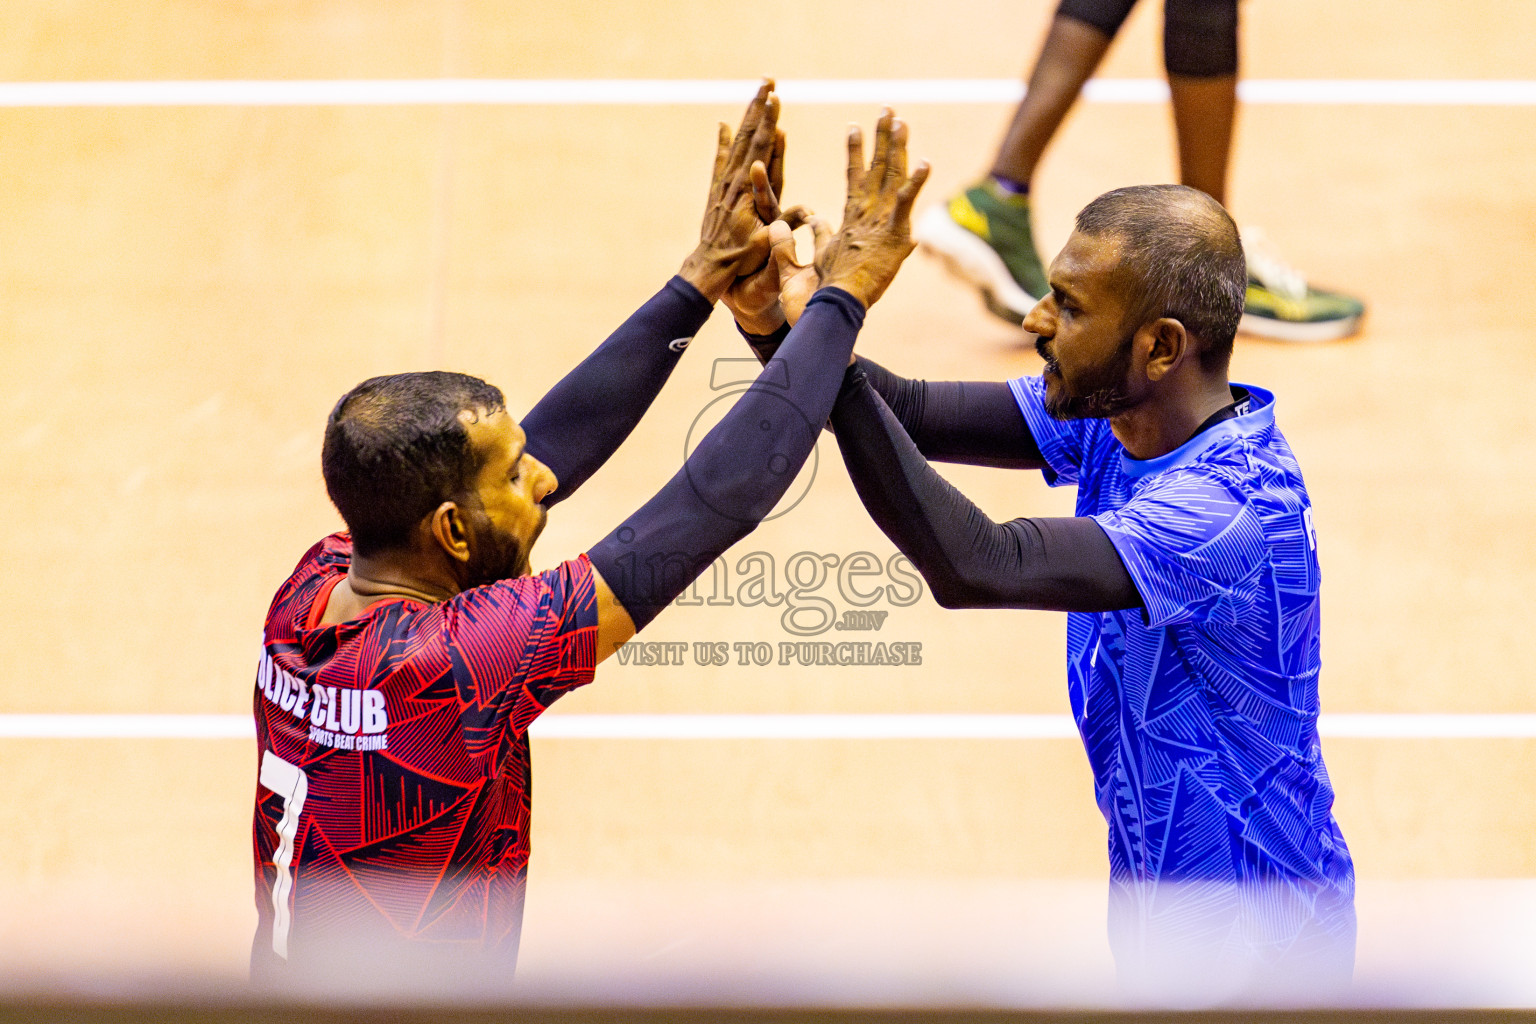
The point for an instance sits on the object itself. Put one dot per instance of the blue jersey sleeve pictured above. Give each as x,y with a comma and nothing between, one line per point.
1194,546
1061,441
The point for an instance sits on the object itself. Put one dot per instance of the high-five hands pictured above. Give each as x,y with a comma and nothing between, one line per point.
753,298
733,239
862,258
876,236
746,250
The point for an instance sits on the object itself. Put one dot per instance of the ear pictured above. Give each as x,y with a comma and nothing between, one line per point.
1167,345
449,531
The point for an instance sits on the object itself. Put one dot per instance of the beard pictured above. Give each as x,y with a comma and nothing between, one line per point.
498,555
1102,391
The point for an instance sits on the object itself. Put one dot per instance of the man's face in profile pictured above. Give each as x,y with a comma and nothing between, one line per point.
504,512
1083,337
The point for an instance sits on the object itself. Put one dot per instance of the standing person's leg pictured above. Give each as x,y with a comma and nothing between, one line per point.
1204,110
1201,58
1072,51
984,233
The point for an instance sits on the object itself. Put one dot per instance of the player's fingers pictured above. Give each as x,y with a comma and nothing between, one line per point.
763,197
882,148
761,147
821,233
782,237
795,216
755,107
906,195
896,157
722,155
765,131
785,264
776,164
749,122
755,253
855,158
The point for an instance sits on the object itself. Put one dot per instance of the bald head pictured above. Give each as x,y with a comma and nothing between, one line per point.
1180,257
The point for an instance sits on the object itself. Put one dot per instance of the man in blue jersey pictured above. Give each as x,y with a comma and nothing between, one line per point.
1191,576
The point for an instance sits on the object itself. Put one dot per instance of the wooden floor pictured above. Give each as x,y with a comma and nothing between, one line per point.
184,292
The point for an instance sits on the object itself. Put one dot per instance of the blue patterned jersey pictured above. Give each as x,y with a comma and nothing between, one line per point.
1199,712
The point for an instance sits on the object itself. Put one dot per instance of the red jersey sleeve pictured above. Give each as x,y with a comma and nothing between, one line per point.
516,645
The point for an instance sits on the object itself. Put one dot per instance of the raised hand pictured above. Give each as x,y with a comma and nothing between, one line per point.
753,298
733,239
876,236
796,281
768,185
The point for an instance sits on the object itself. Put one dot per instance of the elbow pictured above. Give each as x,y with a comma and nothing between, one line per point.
944,582
963,586
947,600
951,594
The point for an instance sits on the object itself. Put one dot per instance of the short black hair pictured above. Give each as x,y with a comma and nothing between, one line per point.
1183,258
395,449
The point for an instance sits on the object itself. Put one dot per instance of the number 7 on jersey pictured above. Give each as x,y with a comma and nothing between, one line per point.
289,782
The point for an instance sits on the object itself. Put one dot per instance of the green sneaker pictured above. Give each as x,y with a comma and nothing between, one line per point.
983,235
1283,306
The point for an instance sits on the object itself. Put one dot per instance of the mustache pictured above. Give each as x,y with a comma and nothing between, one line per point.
1042,347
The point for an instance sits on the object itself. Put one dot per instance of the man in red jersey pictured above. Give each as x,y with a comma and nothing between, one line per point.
404,660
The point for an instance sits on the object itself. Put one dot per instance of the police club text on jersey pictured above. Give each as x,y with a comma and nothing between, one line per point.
337,716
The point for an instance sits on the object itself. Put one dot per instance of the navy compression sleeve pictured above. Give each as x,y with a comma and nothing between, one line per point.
977,423
739,470
765,345
586,416
968,560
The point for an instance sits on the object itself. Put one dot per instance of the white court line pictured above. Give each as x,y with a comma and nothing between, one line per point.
101,727
797,727
616,91
805,727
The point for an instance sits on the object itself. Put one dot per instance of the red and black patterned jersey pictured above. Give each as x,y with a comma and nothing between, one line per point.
393,799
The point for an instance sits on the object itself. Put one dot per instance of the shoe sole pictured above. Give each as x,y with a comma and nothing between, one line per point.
1305,332
972,259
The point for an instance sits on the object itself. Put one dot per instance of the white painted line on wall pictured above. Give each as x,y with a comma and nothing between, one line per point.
787,727
657,92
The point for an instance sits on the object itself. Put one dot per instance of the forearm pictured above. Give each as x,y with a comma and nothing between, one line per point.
968,560
764,345
739,470
584,418
976,423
